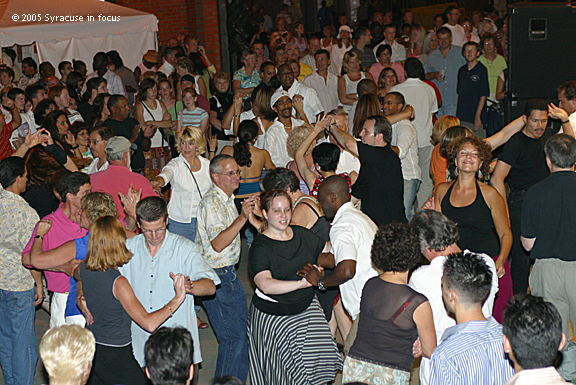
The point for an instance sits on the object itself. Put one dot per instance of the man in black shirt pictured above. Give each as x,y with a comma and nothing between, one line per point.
523,162
380,184
128,127
548,227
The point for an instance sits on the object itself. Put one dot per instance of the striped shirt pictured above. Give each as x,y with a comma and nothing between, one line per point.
471,353
192,118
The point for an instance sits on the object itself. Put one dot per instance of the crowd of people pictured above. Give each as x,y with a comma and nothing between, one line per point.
384,203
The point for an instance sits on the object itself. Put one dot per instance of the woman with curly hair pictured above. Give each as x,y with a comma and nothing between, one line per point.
478,209
382,351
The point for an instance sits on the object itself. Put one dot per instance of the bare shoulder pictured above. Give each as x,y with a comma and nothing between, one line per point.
227,150
490,193
442,188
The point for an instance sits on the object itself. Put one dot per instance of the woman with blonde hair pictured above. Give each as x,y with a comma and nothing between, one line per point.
112,302
347,83
67,352
295,139
417,37
189,176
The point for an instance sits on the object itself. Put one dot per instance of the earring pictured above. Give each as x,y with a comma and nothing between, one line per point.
456,171
480,175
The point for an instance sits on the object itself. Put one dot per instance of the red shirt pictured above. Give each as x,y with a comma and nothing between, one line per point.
117,179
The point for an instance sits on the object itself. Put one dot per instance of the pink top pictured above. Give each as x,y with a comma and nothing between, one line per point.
117,179
377,68
62,231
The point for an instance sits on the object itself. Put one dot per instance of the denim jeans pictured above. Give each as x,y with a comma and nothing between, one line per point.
187,230
228,314
18,353
410,190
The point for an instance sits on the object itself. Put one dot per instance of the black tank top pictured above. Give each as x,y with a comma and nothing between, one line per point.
111,325
321,227
475,224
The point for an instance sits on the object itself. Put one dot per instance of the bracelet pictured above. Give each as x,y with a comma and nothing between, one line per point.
170,309
566,121
236,116
211,151
75,147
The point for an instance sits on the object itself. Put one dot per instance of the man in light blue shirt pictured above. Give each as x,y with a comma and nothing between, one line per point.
157,254
442,68
471,352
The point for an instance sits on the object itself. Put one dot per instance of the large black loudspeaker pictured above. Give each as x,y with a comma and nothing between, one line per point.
541,52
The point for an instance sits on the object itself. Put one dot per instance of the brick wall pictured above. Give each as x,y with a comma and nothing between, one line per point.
181,16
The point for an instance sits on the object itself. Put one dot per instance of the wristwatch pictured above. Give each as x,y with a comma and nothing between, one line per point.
321,286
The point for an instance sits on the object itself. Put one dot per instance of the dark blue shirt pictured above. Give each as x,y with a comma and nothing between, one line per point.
472,85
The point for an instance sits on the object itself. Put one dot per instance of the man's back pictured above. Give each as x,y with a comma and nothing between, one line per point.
352,234
423,99
118,179
549,215
471,353
18,221
380,184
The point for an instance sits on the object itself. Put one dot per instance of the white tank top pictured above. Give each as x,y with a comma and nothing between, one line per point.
154,115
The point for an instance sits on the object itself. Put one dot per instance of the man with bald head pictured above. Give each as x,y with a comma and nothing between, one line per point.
351,234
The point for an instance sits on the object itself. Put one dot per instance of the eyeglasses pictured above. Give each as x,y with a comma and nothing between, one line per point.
231,174
157,231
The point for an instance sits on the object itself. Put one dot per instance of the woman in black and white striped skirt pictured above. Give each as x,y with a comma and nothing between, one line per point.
289,338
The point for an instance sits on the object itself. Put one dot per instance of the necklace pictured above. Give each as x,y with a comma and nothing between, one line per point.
193,163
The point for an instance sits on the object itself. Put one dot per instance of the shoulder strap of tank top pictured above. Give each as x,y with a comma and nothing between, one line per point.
311,208
448,193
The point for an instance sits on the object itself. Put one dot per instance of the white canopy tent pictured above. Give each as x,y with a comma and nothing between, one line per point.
77,29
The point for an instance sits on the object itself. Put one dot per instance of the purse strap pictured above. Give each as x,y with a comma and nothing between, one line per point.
193,177
154,119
